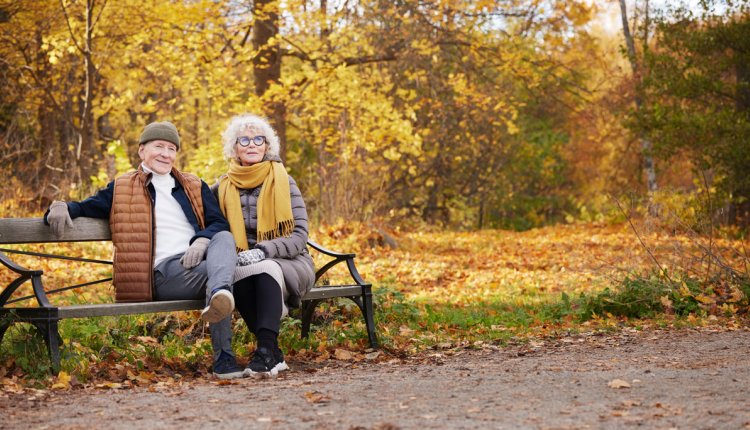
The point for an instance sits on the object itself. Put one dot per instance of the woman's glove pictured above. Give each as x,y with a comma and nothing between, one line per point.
251,256
194,254
59,218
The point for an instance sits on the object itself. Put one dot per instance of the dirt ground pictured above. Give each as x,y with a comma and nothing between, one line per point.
675,379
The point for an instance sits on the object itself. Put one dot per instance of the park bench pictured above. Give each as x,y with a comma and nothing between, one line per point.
45,315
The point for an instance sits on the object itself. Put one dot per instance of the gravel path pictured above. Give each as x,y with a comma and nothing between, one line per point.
684,379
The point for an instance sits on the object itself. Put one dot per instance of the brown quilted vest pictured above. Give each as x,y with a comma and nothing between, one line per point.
131,222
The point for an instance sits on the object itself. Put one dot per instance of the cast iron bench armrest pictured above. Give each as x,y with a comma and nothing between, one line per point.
36,277
25,274
316,246
12,265
338,257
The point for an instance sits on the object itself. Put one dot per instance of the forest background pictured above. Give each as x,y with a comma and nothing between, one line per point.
468,114
408,123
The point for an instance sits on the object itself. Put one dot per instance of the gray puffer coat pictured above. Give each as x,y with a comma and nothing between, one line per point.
289,252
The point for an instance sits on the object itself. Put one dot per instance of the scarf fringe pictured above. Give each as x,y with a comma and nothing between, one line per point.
284,229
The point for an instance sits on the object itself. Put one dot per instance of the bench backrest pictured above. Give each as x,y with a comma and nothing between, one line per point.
33,230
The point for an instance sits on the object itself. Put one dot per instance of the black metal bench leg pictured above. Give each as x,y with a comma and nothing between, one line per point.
369,314
52,339
4,325
364,302
308,309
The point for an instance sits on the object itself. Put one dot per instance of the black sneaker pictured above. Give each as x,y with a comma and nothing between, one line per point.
226,367
263,365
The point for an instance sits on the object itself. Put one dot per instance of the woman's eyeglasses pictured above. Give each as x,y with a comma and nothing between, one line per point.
257,140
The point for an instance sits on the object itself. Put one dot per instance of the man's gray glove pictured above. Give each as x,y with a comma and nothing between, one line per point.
194,254
251,256
59,218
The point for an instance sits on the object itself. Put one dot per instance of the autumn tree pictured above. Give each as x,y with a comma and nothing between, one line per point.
701,102
460,113
415,105
85,77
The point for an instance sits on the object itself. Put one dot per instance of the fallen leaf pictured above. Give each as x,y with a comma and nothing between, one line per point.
110,385
63,381
316,397
405,331
145,377
618,383
666,302
342,354
323,356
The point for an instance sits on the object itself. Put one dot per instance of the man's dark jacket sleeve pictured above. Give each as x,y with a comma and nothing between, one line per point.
97,206
215,221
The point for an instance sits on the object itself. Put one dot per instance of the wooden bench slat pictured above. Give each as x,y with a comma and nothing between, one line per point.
113,309
33,230
329,292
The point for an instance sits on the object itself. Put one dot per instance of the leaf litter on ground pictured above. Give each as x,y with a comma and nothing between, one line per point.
437,290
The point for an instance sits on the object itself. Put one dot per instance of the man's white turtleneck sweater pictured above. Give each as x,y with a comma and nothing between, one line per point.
173,230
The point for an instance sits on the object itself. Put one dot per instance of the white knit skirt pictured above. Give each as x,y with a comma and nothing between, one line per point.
274,270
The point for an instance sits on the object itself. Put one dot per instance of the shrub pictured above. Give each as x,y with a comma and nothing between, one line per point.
643,296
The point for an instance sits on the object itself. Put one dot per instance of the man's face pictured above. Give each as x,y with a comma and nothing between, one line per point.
158,155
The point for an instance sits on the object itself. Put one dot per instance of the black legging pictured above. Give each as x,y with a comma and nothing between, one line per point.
258,299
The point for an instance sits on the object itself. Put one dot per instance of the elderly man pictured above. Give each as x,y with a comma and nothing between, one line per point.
171,239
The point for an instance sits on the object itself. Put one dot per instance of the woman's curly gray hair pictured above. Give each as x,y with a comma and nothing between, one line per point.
240,123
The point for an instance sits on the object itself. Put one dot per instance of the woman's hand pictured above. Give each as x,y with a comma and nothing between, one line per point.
251,256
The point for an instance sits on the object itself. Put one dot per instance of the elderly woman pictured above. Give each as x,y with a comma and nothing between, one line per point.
268,219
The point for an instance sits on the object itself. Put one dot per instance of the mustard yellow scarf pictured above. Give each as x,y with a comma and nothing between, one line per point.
275,217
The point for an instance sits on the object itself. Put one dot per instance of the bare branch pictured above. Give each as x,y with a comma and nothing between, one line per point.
70,29
640,239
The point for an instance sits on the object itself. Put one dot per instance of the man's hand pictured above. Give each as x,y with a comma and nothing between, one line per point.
59,218
251,256
194,254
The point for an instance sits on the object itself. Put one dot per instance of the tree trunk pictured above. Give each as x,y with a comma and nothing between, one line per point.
267,63
85,151
742,75
646,145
